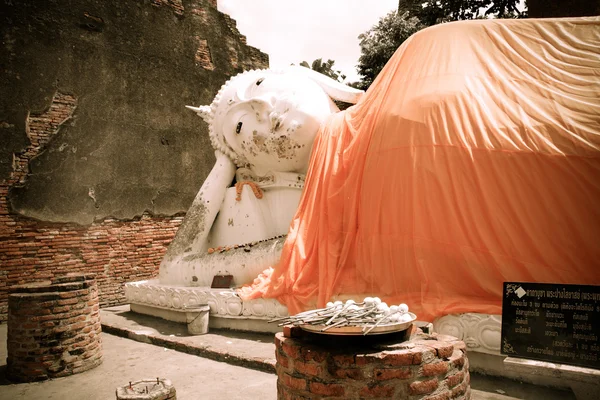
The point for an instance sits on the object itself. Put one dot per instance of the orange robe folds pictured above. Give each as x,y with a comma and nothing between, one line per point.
473,159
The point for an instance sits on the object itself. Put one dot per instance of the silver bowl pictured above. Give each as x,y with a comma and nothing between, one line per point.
353,330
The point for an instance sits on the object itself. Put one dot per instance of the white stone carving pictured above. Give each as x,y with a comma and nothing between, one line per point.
480,332
262,125
223,303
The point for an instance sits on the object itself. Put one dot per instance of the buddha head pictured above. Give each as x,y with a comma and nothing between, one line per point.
267,120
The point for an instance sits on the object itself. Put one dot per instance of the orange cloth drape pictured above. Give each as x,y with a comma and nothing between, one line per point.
473,159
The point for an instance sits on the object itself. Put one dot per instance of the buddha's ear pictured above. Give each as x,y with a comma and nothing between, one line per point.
335,90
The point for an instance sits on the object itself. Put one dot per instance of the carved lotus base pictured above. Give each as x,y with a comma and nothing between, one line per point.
227,310
480,332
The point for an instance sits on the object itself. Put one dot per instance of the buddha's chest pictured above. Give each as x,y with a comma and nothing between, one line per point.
249,216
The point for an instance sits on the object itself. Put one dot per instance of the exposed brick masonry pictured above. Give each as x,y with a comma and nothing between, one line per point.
54,329
232,25
251,58
431,367
176,5
116,251
40,130
203,57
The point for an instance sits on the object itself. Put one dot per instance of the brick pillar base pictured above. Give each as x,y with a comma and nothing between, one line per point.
312,366
53,328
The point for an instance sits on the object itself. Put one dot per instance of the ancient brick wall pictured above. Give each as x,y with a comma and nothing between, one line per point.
116,251
99,159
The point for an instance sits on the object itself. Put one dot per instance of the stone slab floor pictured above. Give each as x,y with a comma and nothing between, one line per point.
197,377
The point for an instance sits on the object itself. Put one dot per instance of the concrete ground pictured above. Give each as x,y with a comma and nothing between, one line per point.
218,365
127,360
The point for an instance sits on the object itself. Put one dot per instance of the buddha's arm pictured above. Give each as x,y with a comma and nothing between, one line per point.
192,235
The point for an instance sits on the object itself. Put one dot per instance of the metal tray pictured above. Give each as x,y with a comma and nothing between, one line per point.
358,330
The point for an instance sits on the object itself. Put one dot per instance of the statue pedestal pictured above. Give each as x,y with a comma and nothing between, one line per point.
480,332
227,310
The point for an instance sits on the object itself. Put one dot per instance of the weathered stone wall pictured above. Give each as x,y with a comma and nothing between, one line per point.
99,159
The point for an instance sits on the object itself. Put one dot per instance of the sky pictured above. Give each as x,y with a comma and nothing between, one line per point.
292,31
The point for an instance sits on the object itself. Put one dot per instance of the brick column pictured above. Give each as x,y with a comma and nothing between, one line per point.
432,367
53,328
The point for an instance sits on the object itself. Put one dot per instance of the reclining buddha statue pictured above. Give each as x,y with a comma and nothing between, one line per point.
262,125
472,160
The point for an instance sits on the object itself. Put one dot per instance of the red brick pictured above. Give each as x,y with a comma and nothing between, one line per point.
77,326
282,359
423,387
290,331
378,391
459,390
403,357
290,348
294,383
308,368
325,389
309,354
343,360
457,359
391,373
66,302
433,369
444,349
351,373
60,309
455,379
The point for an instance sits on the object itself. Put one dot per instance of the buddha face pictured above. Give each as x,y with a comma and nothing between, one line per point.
270,120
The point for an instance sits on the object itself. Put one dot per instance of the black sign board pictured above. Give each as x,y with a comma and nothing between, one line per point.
552,322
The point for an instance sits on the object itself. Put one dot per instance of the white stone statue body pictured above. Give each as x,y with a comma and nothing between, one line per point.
262,125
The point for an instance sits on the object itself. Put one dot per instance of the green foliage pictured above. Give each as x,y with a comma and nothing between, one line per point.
326,68
380,42
432,12
505,9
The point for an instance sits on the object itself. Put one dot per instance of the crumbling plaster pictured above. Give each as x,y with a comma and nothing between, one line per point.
129,146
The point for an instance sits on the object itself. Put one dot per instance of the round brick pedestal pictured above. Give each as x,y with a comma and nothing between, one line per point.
408,365
53,328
